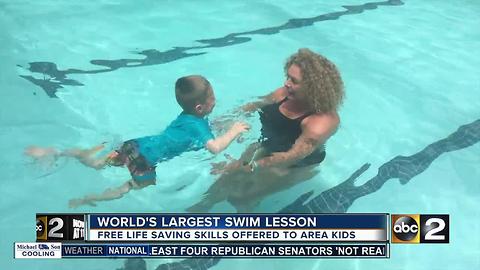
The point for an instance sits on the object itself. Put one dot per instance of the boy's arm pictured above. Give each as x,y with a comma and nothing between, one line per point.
219,144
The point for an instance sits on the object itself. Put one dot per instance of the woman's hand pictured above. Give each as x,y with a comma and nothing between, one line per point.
250,108
227,168
222,123
224,167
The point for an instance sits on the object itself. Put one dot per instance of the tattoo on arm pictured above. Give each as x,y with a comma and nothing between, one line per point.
302,148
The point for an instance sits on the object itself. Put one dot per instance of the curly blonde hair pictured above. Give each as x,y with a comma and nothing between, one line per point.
321,81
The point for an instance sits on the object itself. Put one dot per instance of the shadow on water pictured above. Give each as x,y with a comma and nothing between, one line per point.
339,198
53,78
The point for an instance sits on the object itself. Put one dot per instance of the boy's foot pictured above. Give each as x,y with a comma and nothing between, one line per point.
39,152
74,203
46,158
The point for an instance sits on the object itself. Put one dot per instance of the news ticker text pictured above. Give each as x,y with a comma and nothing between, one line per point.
62,250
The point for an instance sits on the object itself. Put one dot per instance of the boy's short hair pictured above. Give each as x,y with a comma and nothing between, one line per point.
191,91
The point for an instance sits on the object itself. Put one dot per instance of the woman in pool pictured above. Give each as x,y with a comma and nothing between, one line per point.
297,119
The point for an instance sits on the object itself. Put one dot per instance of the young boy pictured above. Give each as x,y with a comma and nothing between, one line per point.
190,131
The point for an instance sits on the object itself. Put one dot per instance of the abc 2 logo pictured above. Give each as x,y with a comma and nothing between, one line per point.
414,229
60,227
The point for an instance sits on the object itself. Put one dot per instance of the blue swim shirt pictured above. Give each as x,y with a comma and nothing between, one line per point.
186,133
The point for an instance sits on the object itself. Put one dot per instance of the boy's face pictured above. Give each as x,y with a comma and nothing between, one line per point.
207,107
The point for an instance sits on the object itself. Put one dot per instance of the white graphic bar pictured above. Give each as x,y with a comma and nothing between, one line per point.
38,250
192,235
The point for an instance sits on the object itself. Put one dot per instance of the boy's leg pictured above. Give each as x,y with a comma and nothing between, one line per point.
85,156
110,193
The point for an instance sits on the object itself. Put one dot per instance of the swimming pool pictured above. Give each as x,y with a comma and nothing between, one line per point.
75,74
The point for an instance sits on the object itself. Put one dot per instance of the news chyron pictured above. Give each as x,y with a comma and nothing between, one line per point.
60,227
420,229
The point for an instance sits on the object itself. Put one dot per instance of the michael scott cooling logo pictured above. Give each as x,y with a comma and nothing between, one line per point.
38,250
414,229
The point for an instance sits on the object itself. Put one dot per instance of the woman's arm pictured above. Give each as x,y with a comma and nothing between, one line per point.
221,123
315,131
271,98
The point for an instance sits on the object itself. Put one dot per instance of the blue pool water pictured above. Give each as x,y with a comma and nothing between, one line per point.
76,74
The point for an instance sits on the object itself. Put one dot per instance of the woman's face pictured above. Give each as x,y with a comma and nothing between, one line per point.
293,83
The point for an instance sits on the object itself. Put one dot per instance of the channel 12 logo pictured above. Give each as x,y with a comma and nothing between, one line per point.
60,227
414,229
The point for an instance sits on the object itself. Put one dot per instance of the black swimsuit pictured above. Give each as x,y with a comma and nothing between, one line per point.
279,133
